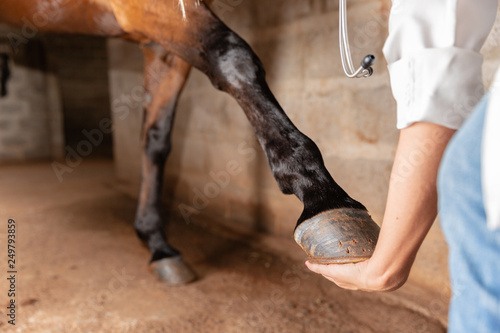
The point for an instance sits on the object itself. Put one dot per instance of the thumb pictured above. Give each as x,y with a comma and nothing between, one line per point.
320,269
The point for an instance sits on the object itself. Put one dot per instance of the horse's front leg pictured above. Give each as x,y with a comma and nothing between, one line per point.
294,159
296,162
164,75
333,227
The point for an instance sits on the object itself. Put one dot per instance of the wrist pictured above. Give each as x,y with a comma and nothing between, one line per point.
385,273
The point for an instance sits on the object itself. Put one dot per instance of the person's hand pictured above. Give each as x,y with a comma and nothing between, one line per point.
359,276
410,211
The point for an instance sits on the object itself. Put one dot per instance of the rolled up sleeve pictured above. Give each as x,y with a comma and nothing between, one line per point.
433,58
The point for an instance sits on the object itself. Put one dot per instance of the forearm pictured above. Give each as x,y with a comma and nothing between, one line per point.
436,80
411,209
411,203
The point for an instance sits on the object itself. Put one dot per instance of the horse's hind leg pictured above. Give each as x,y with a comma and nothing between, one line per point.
164,76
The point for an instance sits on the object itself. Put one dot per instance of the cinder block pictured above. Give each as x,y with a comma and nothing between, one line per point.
15,141
24,111
9,108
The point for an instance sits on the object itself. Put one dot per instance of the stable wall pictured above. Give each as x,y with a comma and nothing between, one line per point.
30,114
58,89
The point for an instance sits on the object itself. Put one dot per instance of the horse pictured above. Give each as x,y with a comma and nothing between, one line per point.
176,35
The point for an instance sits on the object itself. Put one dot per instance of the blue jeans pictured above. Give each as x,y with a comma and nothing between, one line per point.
474,250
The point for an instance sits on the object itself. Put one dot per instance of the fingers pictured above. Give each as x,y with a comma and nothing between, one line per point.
319,269
359,276
340,272
331,272
347,276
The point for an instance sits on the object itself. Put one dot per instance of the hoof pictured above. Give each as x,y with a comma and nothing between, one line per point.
338,236
173,270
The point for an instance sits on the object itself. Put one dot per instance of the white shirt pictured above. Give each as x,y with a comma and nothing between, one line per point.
435,69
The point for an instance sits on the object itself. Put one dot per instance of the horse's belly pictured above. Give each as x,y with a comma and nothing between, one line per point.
92,17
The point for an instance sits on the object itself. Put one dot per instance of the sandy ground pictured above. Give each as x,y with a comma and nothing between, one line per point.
80,268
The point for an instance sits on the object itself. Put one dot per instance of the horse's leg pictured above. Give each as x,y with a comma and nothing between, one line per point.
296,162
164,77
209,45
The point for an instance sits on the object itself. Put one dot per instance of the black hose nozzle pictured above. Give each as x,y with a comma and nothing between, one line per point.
368,61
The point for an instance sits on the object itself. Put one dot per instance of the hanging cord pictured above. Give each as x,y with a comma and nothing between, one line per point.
365,70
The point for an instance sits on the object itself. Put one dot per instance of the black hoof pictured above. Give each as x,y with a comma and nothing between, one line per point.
338,236
173,271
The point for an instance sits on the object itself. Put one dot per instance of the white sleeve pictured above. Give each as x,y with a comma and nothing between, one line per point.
490,161
433,57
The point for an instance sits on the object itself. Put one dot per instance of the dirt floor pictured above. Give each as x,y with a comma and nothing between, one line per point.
80,268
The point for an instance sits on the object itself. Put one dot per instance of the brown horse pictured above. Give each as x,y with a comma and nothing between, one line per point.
174,39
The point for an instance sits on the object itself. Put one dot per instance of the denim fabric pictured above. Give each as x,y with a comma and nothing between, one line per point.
474,250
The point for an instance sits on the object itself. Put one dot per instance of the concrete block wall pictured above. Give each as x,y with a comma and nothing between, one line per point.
58,88
24,116
126,95
30,115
